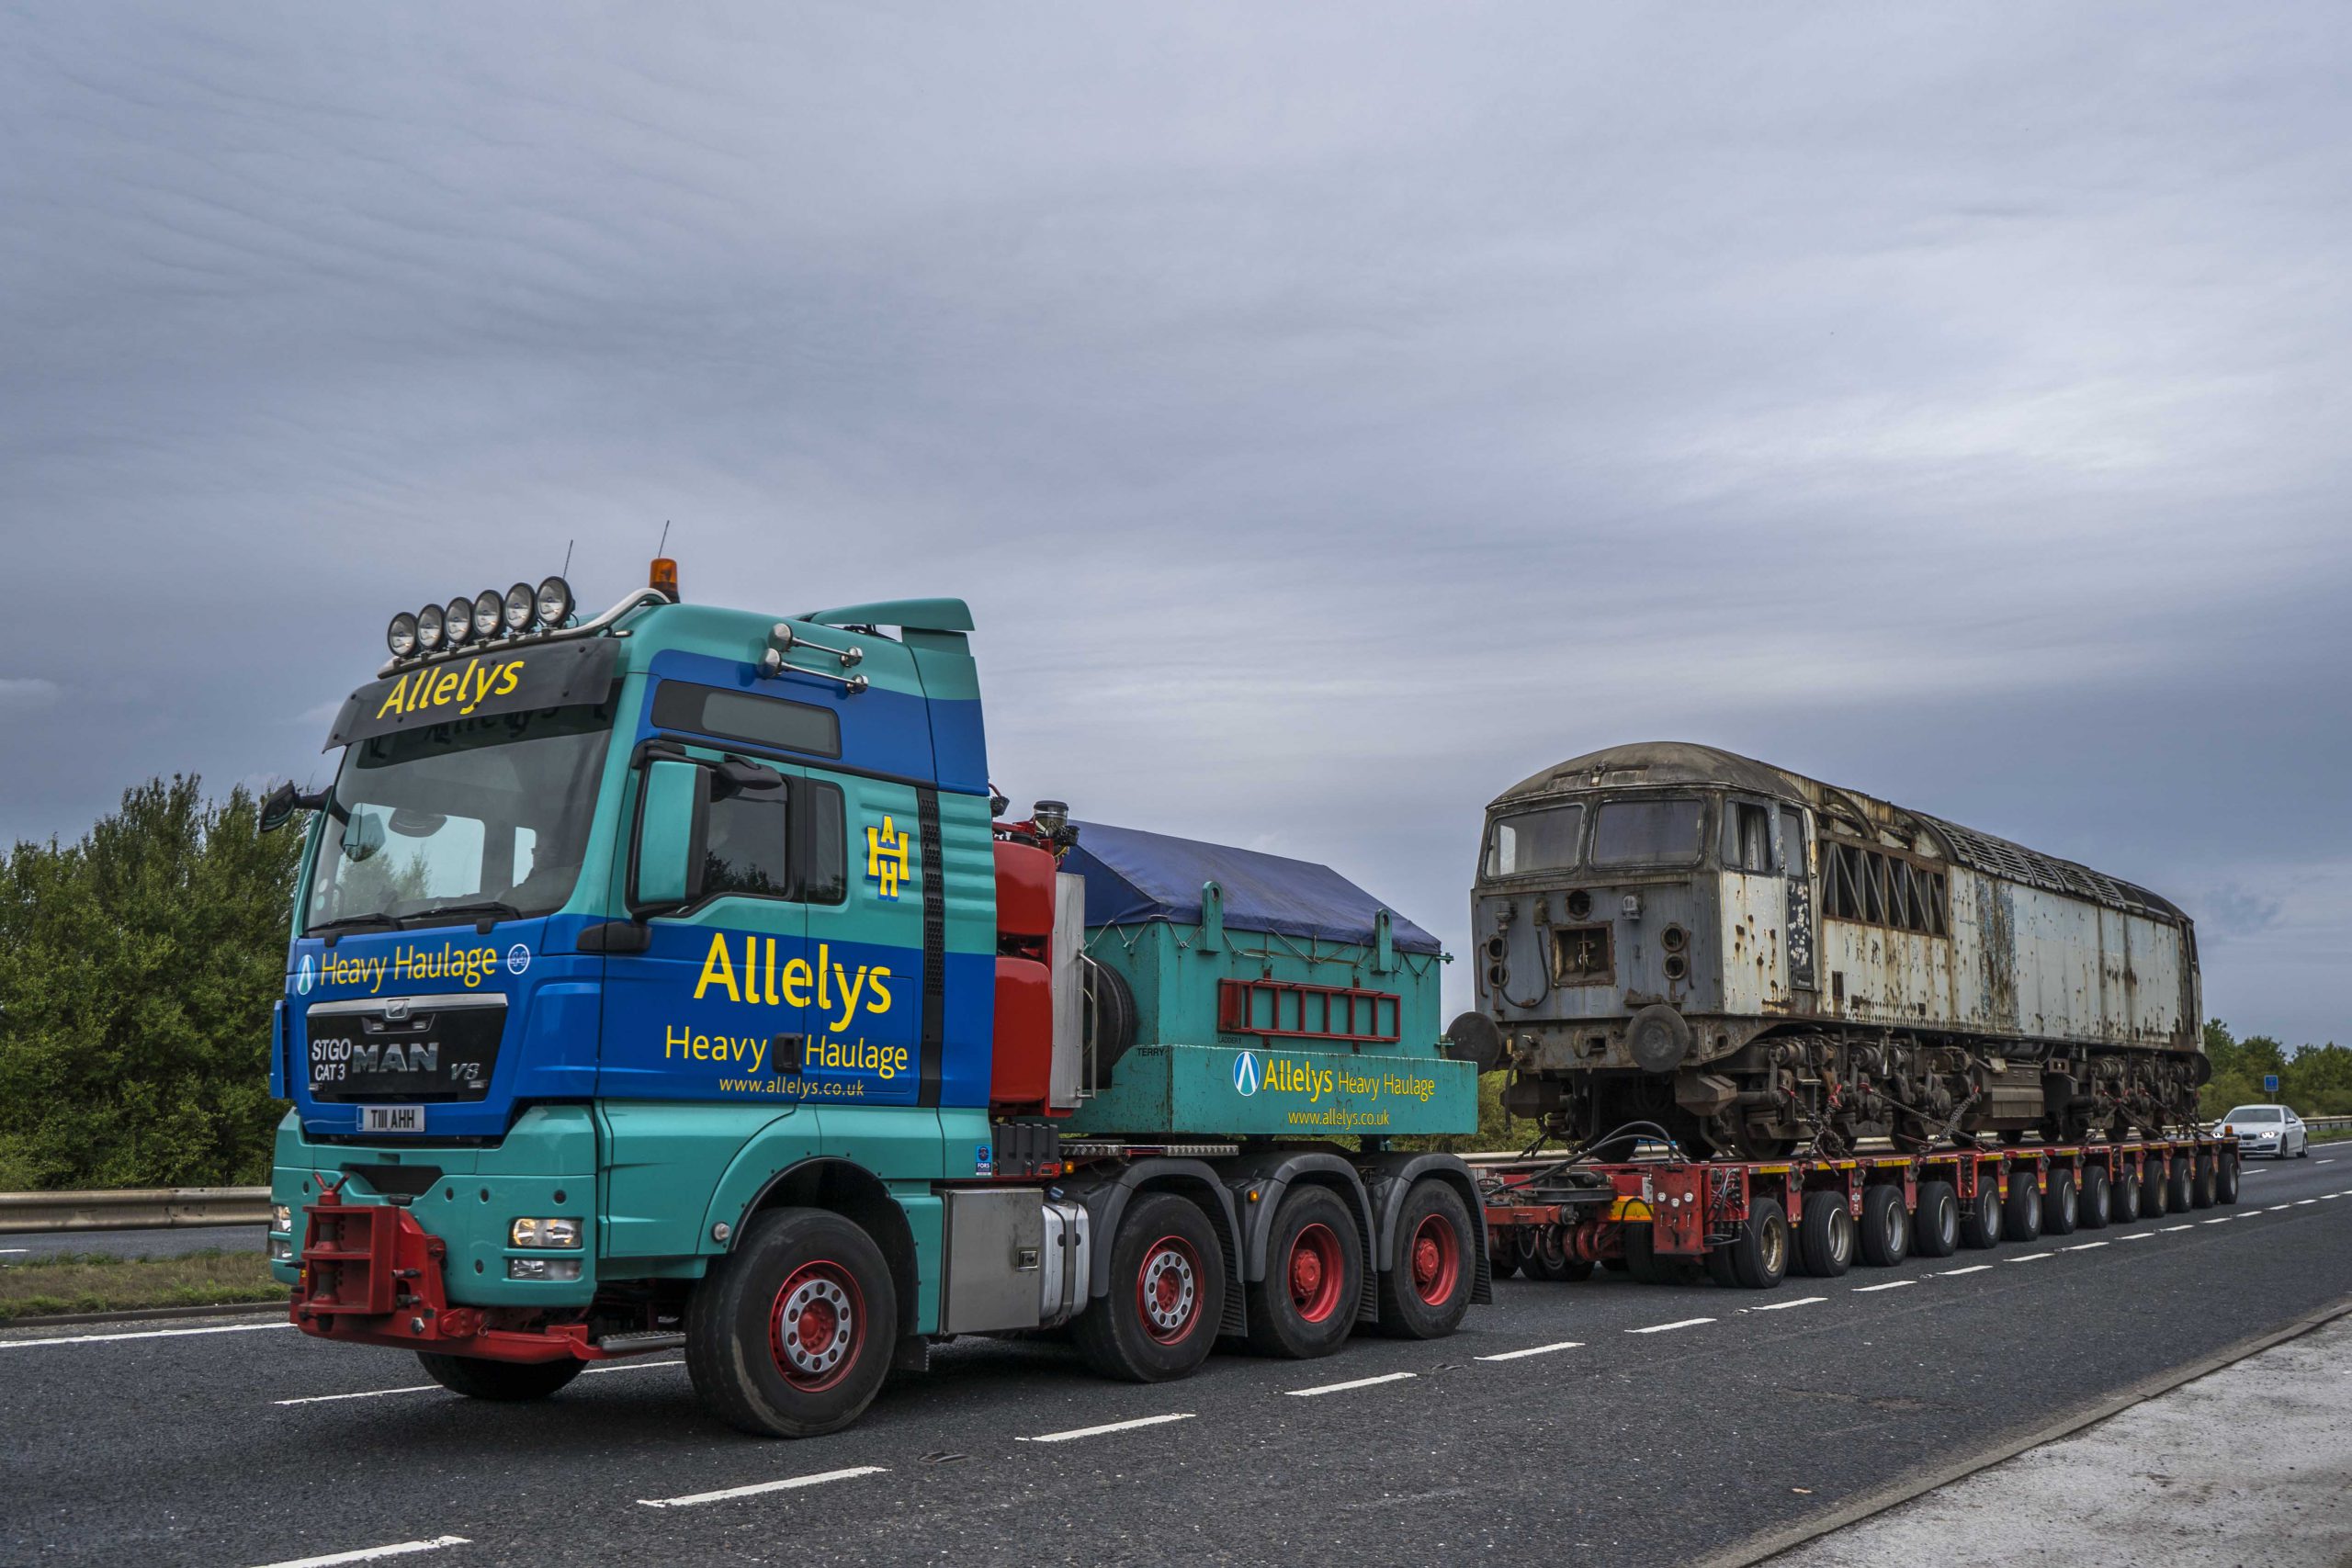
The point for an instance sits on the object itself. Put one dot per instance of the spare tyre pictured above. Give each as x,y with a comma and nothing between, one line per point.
1109,1014
1473,1038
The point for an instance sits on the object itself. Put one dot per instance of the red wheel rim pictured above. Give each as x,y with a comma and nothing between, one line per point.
1436,1259
1168,1289
816,1328
1315,1273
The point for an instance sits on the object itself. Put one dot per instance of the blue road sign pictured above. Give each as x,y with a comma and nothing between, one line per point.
2270,1083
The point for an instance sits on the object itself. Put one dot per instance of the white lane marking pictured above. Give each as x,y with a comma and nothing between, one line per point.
371,1553
2301,1201
1663,1328
1890,1285
2143,1235
2030,1258
693,1499
142,1333
1343,1387
2325,1196
1973,1268
13,1250
435,1388
1784,1306
2279,1208
633,1367
1535,1350
2329,1160
2082,1246
2225,1219
1109,1426
2169,1229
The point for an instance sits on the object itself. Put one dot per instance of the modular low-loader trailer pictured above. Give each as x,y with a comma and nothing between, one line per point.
674,978
1752,1223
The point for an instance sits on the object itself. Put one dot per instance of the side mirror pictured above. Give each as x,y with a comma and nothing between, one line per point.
673,834
278,807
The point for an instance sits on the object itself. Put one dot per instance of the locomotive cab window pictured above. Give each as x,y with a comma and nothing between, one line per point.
1534,840
1649,832
1748,837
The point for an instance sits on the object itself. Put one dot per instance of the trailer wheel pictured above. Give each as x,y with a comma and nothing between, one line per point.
1935,1226
1718,1266
501,1383
2091,1209
1502,1253
2062,1205
1886,1229
2225,1179
2180,1191
1826,1235
2022,1211
1167,1294
2200,1191
790,1335
1759,1255
1306,1306
2154,1180
1425,1295
2126,1203
1980,1217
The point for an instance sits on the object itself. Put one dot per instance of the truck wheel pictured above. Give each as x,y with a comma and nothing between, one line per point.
2126,1203
1886,1229
1718,1266
2200,1191
1980,1217
501,1382
2152,1180
790,1335
1167,1294
1306,1306
2180,1193
2022,1211
2091,1208
1826,1235
1935,1226
2062,1205
2225,1179
1426,1295
1759,1255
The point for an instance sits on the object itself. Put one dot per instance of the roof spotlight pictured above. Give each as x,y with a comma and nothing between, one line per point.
428,628
401,635
554,601
488,606
458,623
522,605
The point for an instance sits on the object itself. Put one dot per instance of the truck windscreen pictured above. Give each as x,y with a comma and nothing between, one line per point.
471,814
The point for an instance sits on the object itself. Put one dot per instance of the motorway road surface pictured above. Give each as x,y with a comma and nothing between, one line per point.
171,1243
1602,1422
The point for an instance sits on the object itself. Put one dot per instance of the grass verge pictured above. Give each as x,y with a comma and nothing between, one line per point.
92,1281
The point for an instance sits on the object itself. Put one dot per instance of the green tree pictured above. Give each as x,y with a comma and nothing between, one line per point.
2318,1080
137,968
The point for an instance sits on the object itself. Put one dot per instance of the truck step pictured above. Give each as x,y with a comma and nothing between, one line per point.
638,1343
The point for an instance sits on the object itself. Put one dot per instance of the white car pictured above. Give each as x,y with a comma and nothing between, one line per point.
2273,1130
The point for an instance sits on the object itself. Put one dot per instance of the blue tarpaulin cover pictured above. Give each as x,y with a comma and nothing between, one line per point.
1133,877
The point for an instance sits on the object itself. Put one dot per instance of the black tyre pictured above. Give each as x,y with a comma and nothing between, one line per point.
790,1335
1885,1227
1306,1306
1718,1266
2180,1186
2201,1183
1426,1291
1547,1258
1935,1223
1502,1253
1980,1217
2155,1196
1167,1294
2095,1207
2226,1179
1108,1017
2060,1205
1759,1256
501,1382
1826,1235
2125,1204
2022,1210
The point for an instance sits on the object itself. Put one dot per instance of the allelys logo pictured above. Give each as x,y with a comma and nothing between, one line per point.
1245,1075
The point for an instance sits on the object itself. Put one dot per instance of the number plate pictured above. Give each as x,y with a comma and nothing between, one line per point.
391,1119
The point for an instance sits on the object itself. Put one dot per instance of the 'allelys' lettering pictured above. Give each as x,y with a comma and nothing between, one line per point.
462,684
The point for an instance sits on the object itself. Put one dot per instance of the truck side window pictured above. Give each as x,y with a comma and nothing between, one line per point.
743,716
746,854
1748,837
824,860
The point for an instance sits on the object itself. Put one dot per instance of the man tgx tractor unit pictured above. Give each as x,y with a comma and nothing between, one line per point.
672,979
1749,960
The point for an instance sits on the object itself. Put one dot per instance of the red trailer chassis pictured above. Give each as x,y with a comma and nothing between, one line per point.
1656,1214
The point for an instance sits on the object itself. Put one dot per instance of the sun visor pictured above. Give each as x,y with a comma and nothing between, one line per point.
514,678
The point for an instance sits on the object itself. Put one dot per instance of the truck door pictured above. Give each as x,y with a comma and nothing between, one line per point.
867,902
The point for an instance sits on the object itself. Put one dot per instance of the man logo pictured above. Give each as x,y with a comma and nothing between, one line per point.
518,958
302,977
1245,1074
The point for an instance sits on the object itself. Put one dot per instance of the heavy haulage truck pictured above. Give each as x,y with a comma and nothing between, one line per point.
675,978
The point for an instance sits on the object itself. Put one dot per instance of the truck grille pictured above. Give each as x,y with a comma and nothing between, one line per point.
409,1050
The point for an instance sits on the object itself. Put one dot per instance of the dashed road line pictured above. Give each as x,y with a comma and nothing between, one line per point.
1890,1285
1664,1327
2225,1219
1534,1350
1784,1306
1344,1387
2279,1208
435,1388
142,1334
2030,1258
1077,1432
2141,1235
2301,1201
1956,1273
371,1553
2168,1229
694,1499
2082,1246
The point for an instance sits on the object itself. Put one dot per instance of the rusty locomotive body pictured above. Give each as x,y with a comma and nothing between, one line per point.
1755,961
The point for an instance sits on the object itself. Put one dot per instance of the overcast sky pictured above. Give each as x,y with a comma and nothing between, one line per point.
1332,413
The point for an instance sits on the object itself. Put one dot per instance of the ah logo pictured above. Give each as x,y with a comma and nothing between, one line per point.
885,859
304,975
1245,1075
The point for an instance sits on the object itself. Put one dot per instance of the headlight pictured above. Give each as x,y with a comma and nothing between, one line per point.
543,1267
554,602
544,1232
488,609
401,635
281,1249
522,605
281,1217
428,628
458,622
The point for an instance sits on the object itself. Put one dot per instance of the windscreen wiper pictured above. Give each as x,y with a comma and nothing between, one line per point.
375,921
484,913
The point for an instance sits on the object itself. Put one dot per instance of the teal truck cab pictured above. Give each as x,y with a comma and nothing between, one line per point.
675,978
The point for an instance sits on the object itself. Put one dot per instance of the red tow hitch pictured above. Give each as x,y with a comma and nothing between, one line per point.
371,1275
